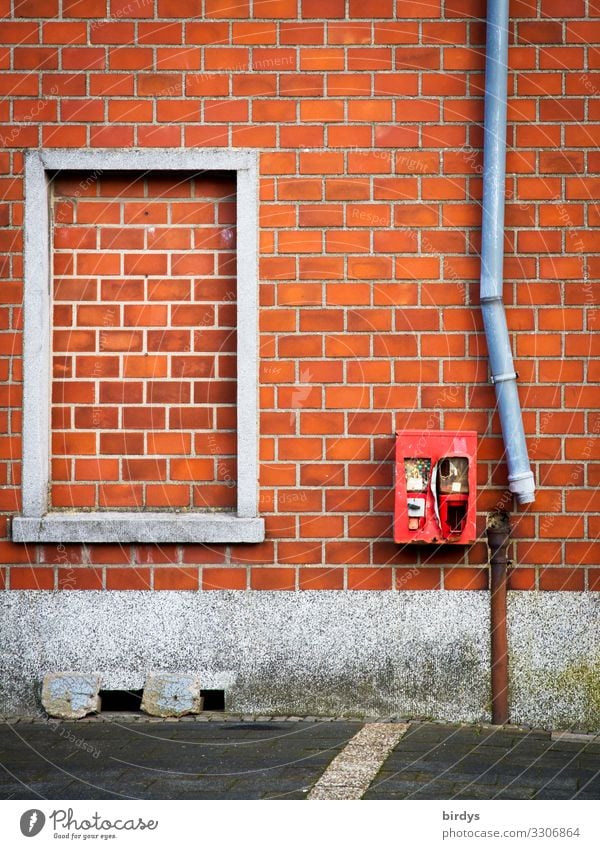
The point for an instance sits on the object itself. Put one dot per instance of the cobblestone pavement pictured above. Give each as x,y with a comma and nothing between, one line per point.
434,761
167,760
283,759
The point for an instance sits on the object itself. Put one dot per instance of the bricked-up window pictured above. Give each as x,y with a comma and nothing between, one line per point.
135,329
144,324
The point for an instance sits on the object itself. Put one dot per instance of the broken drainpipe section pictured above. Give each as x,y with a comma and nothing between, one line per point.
503,375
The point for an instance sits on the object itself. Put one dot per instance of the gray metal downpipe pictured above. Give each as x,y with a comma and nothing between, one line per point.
520,477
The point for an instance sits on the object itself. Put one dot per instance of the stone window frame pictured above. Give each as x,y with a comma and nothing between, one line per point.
37,523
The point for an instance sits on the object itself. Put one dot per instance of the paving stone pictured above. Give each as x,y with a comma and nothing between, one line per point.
471,792
170,760
435,790
393,790
515,793
482,763
552,793
216,760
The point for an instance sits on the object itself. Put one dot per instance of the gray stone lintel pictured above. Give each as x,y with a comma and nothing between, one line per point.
138,527
37,524
158,159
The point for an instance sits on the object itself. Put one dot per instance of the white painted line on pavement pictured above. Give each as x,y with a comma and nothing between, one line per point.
349,775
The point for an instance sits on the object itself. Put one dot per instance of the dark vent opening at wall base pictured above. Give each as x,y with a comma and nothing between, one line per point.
213,699
121,701
129,701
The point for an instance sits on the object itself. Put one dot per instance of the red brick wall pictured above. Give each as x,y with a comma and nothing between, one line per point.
144,344
368,118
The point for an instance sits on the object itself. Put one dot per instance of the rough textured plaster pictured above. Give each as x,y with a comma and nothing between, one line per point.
320,653
554,652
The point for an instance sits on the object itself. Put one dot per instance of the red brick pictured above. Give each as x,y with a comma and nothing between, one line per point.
192,469
150,418
144,470
226,9
84,8
296,552
83,578
15,553
579,553
151,554
594,580
120,495
31,578
81,443
176,578
365,578
521,579
129,578
272,578
457,578
562,579
35,58
35,8
144,366
82,58
318,578
96,470
166,495
418,579
96,417
323,8
540,32
226,59
228,578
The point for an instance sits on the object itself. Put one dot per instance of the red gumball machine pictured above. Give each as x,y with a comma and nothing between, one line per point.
436,485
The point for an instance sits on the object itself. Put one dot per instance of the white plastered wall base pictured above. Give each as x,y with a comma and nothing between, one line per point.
323,652
403,654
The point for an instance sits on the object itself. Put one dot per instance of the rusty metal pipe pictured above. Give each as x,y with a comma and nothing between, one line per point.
498,535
